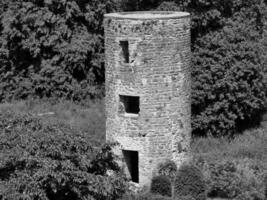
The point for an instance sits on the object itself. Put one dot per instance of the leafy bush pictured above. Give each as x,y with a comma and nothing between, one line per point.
233,168
49,162
189,181
251,176
228,75
225,181
167,168
161,185
248,195
238,179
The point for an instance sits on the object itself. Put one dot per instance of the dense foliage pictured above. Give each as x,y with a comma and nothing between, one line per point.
161,185
51,162
189,182
54,48
228,75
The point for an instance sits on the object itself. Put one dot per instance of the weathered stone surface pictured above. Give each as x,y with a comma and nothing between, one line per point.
159,73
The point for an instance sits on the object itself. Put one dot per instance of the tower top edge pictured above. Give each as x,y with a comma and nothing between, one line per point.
142,15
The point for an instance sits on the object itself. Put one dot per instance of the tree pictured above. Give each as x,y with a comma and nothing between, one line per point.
54,48
229,90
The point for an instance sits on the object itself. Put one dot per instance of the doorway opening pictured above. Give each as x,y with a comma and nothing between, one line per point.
132,162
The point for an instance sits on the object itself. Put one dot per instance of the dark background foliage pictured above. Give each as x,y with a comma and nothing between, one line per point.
229,89
54,48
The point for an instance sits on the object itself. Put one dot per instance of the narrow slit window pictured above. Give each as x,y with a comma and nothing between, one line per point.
132,162
129,104
125,51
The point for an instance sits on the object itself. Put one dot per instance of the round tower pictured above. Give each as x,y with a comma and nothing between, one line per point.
148,87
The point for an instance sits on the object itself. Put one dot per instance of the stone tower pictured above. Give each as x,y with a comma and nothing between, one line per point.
148,88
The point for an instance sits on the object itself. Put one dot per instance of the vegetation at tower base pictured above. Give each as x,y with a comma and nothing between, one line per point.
167,168
189,182
233,169
161,185
238,179
50,162
145,196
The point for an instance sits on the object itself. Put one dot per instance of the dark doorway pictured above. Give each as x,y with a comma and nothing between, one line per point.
130,104
125,51
131,159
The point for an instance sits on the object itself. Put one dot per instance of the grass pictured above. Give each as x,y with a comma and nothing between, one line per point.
89,118
250,145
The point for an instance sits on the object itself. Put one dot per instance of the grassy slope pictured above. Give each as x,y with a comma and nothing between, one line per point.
91,120
249,149
252,144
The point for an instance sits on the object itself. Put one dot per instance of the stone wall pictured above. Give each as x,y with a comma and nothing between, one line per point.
158,72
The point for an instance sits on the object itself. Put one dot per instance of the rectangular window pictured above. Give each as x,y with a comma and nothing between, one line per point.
129,104
125,51
131,159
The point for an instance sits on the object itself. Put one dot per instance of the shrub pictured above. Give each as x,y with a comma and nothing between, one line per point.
250,173
190,181
161,185
249,195
167,168
224,180
48,162
239,179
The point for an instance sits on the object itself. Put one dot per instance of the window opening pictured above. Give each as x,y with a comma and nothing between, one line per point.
125,51
129,104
